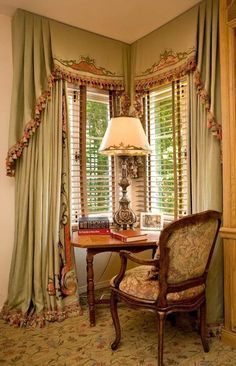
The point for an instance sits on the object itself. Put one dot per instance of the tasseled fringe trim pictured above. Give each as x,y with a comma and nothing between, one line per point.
32,319
212,124
16,150
166,77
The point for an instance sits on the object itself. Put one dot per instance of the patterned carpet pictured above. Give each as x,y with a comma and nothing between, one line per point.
74,343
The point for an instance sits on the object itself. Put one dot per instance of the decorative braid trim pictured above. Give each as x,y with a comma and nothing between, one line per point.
212,124
166,77
16,150
31,319
99,83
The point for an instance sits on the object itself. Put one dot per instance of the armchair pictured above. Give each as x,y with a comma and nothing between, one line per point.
175,280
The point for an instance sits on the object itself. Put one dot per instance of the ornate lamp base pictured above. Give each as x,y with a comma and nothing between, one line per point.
124,216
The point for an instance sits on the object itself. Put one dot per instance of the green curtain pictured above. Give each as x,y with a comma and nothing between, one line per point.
206,174
42,283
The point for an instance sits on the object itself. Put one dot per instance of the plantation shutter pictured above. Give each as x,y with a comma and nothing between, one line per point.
92,174
139,184
167,167
98,167
74,107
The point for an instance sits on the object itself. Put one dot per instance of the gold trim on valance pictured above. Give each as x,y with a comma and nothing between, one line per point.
94,82
86,72
86,64
168,73
168,59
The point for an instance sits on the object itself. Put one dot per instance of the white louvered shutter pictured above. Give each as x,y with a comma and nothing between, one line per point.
168,164
73,95
98,167
92,178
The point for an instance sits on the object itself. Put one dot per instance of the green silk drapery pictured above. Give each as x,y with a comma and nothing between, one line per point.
42,284
206,174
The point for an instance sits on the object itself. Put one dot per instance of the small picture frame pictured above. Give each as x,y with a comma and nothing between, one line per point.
151,221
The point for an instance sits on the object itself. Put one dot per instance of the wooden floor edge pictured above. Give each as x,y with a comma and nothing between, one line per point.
228,337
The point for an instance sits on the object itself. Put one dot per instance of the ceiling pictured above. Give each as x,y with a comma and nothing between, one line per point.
124,20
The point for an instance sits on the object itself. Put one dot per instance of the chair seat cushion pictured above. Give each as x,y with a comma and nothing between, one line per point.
138,283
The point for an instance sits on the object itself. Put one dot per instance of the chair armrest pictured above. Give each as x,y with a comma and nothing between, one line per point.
124,256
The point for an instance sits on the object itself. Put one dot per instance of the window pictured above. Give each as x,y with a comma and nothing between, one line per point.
167,167
91,173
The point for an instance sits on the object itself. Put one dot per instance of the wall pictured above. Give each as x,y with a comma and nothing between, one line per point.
6,183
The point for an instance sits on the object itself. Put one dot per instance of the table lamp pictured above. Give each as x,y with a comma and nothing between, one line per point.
124,137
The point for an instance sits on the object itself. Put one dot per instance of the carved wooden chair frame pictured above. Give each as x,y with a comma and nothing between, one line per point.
162,307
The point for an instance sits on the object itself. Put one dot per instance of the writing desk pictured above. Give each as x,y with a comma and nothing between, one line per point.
95,244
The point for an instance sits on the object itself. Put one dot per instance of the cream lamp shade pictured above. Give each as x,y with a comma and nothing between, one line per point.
124,137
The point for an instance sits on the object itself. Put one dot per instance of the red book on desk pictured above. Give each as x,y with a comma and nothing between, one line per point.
128,236
101,231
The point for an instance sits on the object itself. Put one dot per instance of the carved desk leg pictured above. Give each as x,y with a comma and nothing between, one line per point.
90,288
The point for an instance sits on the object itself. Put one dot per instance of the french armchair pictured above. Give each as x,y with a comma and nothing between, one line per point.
173,282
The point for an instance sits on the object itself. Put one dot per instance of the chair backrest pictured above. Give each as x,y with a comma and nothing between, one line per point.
186,247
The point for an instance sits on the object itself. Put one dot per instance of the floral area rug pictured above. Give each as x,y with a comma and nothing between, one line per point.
74,343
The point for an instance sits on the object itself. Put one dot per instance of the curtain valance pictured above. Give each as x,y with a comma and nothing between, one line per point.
45,51
87,58
167,53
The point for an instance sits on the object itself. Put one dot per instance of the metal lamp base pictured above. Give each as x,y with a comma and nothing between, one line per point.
124,216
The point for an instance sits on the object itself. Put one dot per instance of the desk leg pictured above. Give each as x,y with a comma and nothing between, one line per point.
90,288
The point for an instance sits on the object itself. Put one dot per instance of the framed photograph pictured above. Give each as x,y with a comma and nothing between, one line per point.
151,221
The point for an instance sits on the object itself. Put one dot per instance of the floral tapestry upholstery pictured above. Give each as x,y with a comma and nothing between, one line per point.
189,250
137,283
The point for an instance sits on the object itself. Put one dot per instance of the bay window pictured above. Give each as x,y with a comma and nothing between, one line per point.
163,186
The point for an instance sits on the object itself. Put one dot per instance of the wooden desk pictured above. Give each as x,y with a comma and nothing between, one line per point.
96,244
